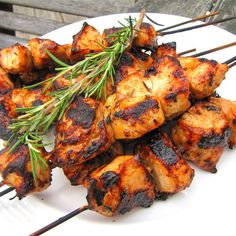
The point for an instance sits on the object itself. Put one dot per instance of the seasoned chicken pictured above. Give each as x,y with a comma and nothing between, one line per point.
165,49
133,111
146,37
203,75
120,186
16,59
77,174
16,171
6,84
201,135
229,108
7,113
166,80
39,48
82,133
87,40
170,172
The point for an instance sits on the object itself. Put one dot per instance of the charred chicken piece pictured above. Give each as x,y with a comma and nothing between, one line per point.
82,133
16,59
88,40
229,108
132,110
146,37
120,186
16,171
78,173
166,80
203,75
7,113
6,86
201,135
41,59
165,49
170,172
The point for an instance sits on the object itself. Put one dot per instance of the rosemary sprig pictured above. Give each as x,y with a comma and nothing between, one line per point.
97,69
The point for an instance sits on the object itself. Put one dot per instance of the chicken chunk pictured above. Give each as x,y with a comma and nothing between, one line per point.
78,173
120,186
16,59
201,135
146,37
229,108
170,172
165,49
133,111
203,75
82,133
16,171
88,40
166,80
6,84
39,48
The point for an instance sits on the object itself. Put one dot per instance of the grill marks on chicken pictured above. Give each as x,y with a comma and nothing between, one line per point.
203,75
166,80
120,186
133,111
16,171
201,135
170,172
82,133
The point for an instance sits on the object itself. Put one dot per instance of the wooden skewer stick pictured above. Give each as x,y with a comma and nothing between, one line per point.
59,221
154,22
213,49
195,26
230,60
232,64
186,52
6,191
189,21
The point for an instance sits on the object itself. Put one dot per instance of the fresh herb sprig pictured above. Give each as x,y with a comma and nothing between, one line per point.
97,69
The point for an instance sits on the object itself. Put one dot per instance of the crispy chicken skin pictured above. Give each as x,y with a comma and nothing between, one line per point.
77,174
7,113
166,80
229,108
16,59
146,37
6,84
41,59
120,186
133,111
165,49
82,133
203,75
170,172
88,40
201,135
16,171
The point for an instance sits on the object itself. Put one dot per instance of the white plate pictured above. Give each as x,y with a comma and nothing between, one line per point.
207,207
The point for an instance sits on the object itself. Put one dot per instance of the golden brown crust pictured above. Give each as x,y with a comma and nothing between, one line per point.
41,59
165,49
201,134
82,133
6,84
203,75
166,80
170,172
16,59
120,186
87,40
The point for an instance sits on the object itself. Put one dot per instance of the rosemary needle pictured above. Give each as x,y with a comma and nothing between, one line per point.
97,69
